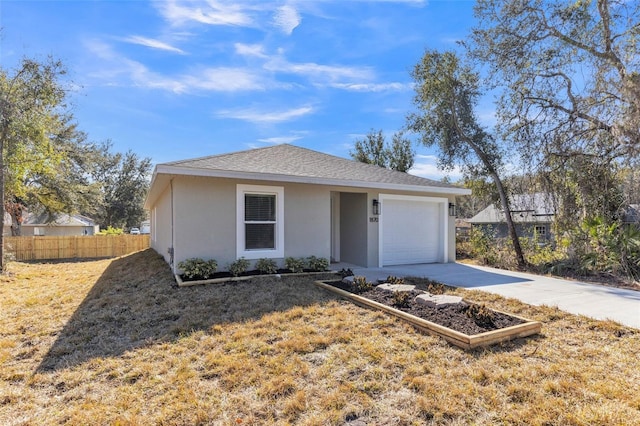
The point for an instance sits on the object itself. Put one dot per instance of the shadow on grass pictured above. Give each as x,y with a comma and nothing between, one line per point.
136,303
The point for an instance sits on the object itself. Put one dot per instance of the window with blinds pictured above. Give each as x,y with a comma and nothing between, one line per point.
260,221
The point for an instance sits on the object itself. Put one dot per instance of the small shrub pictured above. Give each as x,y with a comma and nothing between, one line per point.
319,264
401,299
394,280
266,266
436,288
360,285
294,264
238,267
345,272
111,231
198,269
482,315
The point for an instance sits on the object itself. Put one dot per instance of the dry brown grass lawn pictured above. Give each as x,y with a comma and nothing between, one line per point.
116,342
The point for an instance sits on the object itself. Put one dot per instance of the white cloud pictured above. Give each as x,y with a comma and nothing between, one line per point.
318,71
119,70
223,80
210,12
287,19
266,116
280,139
256,50
427,166
154,44
373,87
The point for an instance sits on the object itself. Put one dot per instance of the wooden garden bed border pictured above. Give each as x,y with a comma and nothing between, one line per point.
464,341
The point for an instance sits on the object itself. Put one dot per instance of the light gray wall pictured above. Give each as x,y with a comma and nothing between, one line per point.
57,231
161,227
354,228
205,219
307,214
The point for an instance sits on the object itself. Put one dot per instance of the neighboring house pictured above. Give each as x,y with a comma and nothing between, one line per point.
532,215
284,201
59,225
463,229
632,215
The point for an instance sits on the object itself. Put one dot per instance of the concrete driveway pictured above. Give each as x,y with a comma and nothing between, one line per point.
595,301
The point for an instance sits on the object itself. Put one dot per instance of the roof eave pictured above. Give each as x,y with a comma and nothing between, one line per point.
231,174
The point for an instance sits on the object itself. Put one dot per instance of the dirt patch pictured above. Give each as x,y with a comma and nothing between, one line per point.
467,318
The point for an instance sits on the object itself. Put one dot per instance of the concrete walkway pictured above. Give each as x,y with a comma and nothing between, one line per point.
592,300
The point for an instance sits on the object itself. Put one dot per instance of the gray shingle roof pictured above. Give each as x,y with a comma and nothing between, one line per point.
289,160
537,207
61,219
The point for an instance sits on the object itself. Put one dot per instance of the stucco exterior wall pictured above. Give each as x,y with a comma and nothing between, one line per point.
57,231
307,215
161,224
205,221
353,228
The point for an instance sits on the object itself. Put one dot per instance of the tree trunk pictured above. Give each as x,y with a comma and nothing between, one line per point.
504,200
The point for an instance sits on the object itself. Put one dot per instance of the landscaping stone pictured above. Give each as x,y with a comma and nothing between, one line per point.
438,300
348,280
393,288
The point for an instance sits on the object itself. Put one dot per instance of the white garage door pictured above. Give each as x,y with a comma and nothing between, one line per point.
411,232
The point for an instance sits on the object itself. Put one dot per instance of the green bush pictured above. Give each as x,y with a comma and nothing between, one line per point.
266,266
401,299
238,267
111,231
394,280
360,285
319,264
294,264
198,269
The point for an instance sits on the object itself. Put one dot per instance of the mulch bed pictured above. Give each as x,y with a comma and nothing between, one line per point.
457,317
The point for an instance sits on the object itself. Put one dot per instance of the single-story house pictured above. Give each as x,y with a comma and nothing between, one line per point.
532,215
632,215
61,224
287,201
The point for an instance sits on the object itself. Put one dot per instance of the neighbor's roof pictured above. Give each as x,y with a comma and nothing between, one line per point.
525,208
61,219
288,163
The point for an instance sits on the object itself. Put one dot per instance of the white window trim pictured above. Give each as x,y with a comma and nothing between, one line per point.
278,191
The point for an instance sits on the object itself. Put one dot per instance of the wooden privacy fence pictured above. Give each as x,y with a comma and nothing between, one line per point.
70,247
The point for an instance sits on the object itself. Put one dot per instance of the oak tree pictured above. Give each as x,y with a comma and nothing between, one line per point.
447,92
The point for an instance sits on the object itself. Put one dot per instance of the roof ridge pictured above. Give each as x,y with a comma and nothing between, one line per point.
225,154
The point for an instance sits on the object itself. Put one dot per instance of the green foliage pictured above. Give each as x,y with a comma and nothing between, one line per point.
401,299
374,149
447,92
266,266
394,280
611,248
198,269
239,266
294,264
319,264
111,231
125,181
361,285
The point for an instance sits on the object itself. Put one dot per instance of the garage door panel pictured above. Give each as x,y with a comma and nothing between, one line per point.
410,232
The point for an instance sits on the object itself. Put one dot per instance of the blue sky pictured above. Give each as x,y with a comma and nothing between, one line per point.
174,80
